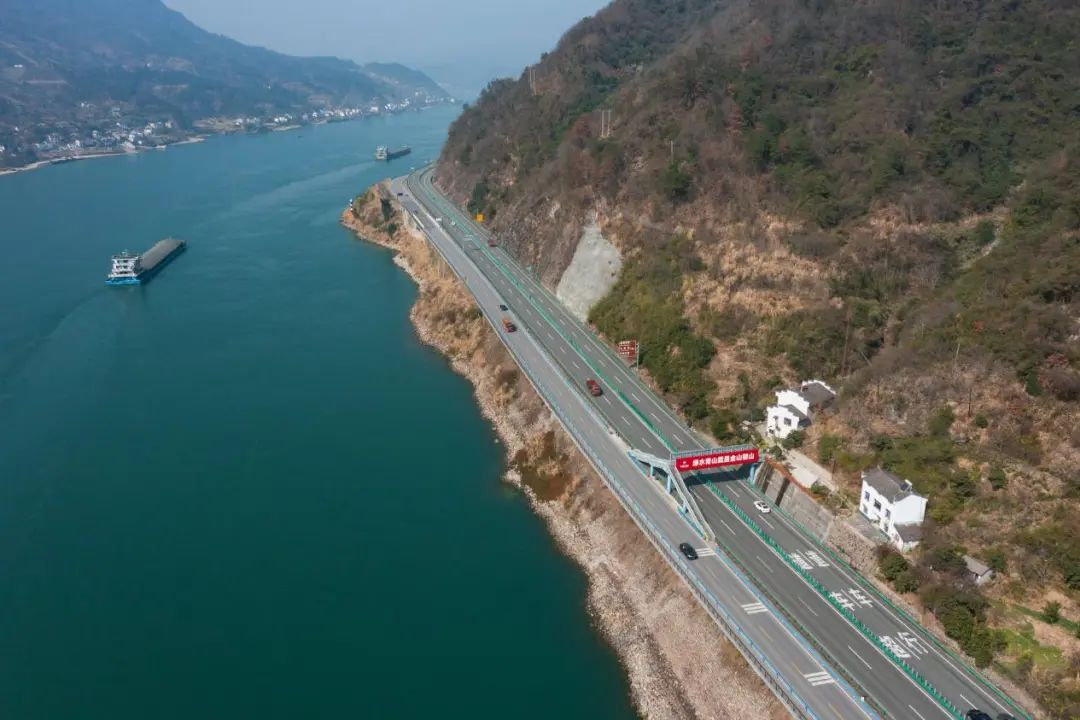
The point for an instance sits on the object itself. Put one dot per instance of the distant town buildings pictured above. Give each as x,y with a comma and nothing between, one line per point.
892,505
795,408
113,129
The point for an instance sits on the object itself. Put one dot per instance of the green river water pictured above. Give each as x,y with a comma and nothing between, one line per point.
246,490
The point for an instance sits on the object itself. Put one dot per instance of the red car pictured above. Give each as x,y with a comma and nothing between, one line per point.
594,388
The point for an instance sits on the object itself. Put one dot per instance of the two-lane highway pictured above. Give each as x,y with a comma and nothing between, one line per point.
627,407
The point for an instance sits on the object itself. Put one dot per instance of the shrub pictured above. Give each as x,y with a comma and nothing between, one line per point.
827,447
984,232
892,564
941,421
997,561
906,582
794,440
981,421
1051,612
997,477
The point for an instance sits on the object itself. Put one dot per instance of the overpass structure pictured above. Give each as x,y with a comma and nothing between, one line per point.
821,636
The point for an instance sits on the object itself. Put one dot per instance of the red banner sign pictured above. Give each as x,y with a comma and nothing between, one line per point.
714,459
628,350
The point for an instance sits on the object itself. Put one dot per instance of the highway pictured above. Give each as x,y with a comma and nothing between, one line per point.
808,619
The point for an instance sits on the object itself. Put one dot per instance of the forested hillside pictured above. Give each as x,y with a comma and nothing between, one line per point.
882,194
58,57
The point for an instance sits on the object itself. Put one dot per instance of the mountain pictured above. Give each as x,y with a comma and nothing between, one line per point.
881,194
62,59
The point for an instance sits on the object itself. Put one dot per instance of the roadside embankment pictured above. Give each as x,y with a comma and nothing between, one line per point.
678,662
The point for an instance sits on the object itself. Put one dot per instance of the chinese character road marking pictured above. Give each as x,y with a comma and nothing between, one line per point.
816,559
895,647
842,600
801,561
860,597
913,643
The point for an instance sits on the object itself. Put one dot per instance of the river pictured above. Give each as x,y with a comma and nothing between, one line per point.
246,489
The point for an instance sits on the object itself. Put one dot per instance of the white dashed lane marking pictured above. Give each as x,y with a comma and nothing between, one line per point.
807,606
860,657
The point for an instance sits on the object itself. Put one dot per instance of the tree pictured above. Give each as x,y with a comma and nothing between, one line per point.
677,182
827,447
794,439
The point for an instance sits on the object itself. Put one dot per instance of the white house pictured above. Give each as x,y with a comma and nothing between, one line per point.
890,503
794,408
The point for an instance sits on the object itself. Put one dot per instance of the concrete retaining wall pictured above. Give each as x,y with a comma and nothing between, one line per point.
782,489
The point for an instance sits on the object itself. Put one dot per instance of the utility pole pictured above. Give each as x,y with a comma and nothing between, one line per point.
605,124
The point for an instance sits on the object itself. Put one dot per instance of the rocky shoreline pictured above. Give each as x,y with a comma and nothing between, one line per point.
678,662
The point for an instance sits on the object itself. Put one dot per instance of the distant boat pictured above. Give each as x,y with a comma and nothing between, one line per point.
383,153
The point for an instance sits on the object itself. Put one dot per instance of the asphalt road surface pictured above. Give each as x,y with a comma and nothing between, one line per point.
798,606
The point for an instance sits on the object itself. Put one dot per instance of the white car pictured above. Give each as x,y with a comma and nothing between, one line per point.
762,506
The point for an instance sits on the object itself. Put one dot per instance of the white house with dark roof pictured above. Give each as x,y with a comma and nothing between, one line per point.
892,505
795,407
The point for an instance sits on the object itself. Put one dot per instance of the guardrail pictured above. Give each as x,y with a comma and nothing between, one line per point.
867,632
810,580
901,612
755,658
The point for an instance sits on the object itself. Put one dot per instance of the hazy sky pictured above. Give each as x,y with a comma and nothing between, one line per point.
460,43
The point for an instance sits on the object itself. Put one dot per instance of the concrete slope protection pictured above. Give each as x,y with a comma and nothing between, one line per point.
824,607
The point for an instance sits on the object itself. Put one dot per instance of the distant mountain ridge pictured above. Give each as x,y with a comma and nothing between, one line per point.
58,54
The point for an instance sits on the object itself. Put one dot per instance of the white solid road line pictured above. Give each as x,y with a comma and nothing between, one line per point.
970,704
860,657
765,564
917,712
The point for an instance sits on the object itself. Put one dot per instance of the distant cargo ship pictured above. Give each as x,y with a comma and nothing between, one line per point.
131,269
382,153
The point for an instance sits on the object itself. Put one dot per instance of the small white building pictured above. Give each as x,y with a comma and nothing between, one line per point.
892,505
978,571
795,407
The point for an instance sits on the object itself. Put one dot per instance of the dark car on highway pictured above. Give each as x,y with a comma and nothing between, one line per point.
974,714
688,550
503,307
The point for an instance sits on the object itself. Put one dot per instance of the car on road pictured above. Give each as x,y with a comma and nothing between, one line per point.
594,388
688,550
508,326
400,194
974,714
763,507
503,307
